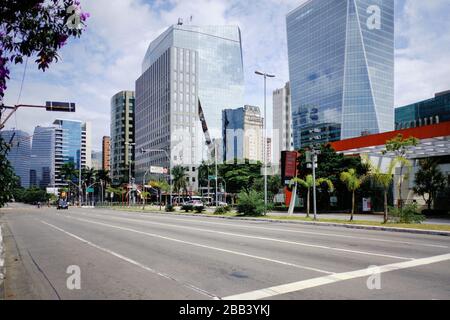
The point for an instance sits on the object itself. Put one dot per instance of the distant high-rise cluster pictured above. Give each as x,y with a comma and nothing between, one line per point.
37,159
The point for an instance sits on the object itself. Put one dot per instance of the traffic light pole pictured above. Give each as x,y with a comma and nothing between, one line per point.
314,161
50,106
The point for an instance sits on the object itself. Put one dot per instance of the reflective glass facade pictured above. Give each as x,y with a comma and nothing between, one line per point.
220,66
72,145
185,65
43,157
341,61
19,155
426,112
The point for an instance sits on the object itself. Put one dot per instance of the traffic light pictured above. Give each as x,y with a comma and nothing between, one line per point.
53,106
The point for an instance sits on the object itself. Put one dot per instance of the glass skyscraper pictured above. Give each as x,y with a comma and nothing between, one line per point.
185,66
19,155
341,63
72,145
42,173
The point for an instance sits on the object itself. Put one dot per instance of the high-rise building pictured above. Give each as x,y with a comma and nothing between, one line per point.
122,135
341,63
185,67
431,111
97,157
72,145
19,154
282,122
242,134
42,171
106,153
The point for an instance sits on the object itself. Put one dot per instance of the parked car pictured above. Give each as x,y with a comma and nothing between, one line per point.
192,205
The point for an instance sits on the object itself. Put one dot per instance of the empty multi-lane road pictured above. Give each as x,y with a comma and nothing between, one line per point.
121,255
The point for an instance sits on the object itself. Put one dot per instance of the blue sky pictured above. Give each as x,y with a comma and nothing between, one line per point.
108,57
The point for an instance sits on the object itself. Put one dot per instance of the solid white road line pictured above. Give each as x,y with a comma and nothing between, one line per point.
312,283
240,225
131,261
206,247
262,238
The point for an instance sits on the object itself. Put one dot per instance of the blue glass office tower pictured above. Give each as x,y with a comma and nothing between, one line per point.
19,155
186,65
341,64
42,171
72,145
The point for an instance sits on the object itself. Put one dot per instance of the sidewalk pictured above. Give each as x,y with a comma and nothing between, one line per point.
358,217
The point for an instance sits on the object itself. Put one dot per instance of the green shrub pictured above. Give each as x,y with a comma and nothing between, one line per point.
227,209
170,208
250,203
408,214
220,210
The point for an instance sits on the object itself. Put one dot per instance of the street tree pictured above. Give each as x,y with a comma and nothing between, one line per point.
353,181
429,181
8,179
399,147
308,184
36,28
180,176
385,180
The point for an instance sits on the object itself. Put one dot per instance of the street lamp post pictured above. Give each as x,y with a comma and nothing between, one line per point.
265,75
170,169
130,157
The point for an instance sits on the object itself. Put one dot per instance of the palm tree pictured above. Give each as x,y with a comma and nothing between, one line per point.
308,183
179,179
404,164
67,173
102,177
384,179
353,182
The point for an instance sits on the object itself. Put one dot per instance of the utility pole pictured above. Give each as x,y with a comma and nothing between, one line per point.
314,161
217,174
265,75
80,189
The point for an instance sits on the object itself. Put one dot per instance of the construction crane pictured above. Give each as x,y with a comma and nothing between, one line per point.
209,142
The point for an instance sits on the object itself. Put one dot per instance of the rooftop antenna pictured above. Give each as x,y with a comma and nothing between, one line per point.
180,21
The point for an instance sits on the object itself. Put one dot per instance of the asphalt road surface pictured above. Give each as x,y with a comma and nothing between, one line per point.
104,254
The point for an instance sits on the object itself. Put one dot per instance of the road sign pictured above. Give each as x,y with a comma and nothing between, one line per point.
158,170
90,190
211,177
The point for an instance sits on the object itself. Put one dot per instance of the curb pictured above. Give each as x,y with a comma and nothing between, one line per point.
323,224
